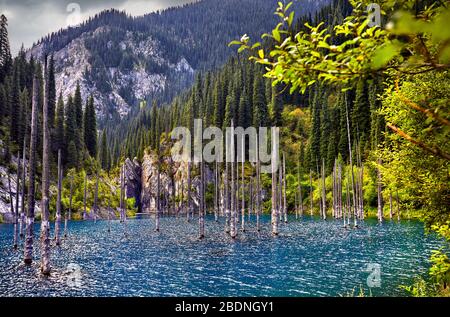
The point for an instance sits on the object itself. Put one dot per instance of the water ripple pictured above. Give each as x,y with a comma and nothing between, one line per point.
309,258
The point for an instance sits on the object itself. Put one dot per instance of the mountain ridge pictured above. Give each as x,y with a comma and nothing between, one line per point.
124,61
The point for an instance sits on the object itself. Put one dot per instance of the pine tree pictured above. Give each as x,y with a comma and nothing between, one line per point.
260,111
316,126
59,135
244,119
15,111
71,133
25,117
51,92
104,152
78,106
276,107
361,113
90,128
5,53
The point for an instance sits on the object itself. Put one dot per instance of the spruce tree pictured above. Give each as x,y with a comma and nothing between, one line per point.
260,111
104,152
15,111
59,136
276,107
90,127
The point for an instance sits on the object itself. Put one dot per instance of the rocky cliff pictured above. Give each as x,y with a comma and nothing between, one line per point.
173,177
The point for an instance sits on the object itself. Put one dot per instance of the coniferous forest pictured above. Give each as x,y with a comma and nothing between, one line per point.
357,188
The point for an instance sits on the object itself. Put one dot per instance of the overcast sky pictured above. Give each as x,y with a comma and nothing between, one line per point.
29,20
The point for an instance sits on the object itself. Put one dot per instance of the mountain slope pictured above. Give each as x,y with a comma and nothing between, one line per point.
124,61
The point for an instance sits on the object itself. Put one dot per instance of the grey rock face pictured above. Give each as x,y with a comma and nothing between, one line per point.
133,180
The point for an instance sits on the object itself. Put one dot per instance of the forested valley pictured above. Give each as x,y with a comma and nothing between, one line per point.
363,112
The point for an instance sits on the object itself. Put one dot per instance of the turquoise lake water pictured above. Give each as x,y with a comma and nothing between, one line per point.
310,257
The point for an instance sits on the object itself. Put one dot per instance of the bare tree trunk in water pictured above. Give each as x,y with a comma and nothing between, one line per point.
85,196
280,193
201,218
68,217
124,203
379,195
284,190
216,192
258,186
109,215
250,209
24,172
348,198
45,224
390,205
58,201
334,191
233,189
158,193
324,192
182,207
189,205
243,187
300,196
351,166
310,192
16,214
96,208
28,252
398,206
11,206
339,194
361,194
227,199
274,187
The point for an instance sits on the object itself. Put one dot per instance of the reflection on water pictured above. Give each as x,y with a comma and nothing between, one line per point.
310,258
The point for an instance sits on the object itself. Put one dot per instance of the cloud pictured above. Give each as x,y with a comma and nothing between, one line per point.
29,20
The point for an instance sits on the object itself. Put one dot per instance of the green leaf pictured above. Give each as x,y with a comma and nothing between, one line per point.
384,54
276,35
261,54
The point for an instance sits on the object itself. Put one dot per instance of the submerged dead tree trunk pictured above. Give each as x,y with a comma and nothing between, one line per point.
11,206
233,188
258,186
22,208
339,190
351,167
158,202
284,190
45,223
201,218
300,196
85,196
69,215
96,208
379,194
310,192
390,205
216,192
227,199
243,188
324,192
398,206
58,201
274,187
16,213
28,251
189,205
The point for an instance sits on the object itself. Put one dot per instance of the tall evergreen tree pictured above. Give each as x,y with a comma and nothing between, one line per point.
90,127
59,135
260,111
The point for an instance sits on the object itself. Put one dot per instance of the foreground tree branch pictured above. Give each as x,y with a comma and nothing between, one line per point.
434,151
